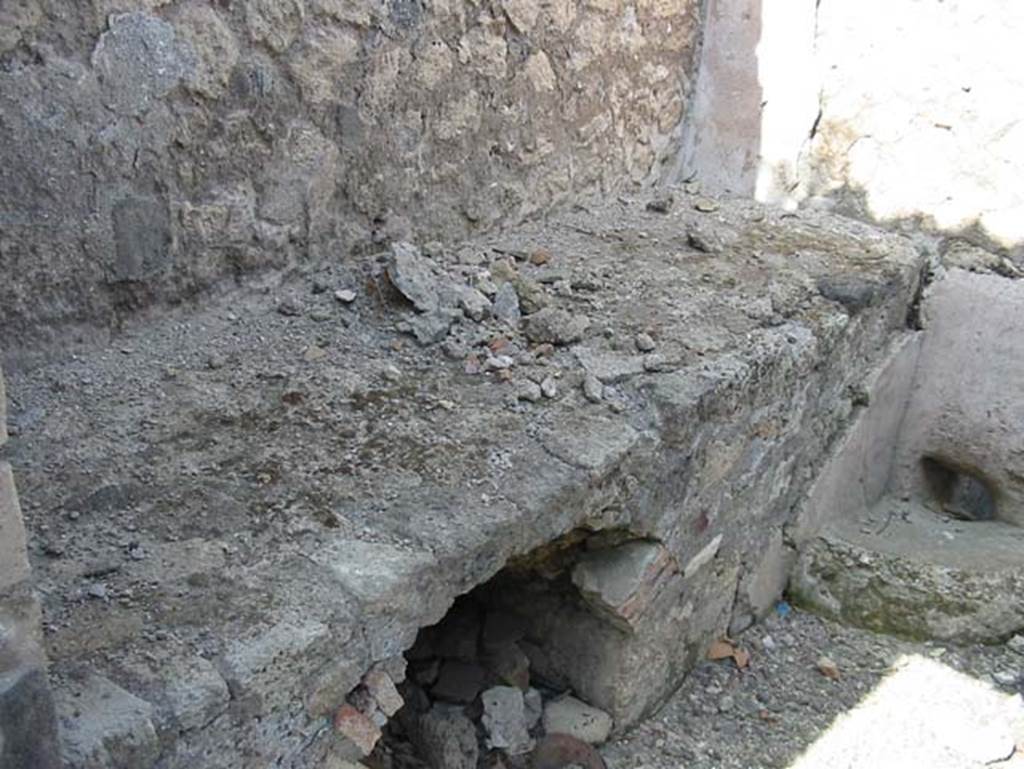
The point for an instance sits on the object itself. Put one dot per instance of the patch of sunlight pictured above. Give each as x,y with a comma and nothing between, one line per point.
923,715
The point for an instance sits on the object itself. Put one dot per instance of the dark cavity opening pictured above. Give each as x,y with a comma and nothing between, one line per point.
519,672
958,492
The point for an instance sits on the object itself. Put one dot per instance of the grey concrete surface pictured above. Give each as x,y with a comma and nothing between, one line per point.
349,482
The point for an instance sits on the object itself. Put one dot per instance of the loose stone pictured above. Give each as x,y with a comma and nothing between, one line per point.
528,391
505,720
568,715
593,390
644,342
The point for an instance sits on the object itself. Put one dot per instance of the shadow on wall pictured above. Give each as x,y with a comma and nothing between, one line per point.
893,112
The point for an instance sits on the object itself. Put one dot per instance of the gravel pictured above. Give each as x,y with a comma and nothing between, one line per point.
772,712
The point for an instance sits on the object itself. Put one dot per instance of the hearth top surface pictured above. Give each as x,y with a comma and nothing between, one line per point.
213,472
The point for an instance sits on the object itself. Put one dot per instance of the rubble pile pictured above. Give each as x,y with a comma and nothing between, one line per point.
473,699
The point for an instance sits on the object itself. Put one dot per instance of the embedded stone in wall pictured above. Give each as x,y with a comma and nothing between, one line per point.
138,60
142,236
623,581
320,63
275,23
215,47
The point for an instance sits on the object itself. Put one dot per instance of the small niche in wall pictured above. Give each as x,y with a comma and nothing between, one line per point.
958,492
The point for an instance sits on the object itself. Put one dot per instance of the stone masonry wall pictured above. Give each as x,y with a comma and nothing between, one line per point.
149,148
28,732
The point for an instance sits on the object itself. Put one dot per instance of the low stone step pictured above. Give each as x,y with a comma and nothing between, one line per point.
904,569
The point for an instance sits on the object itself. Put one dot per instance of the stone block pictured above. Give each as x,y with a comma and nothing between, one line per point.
104,727
13,557
382,688
448,739
142,236
139,60
505,720
568,715
622,581
357,727
28,726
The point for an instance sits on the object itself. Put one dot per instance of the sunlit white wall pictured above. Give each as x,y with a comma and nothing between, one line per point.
923,110
789,79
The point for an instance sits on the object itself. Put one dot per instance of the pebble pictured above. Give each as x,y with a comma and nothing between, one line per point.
555,326
506,305
644,343
528,391
1016,644
662,204
97,590
593,390
549,387
345,295
391,373
828,668
288,309
498,362
704,239
655,362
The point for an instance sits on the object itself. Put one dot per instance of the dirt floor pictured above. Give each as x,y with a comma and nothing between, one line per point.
894,704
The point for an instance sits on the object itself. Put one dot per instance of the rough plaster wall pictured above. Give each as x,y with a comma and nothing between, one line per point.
149,148
895,110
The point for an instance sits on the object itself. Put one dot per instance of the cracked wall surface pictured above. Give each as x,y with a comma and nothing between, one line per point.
150,148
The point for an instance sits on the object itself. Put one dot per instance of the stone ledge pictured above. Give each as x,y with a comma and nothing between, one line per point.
351,483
